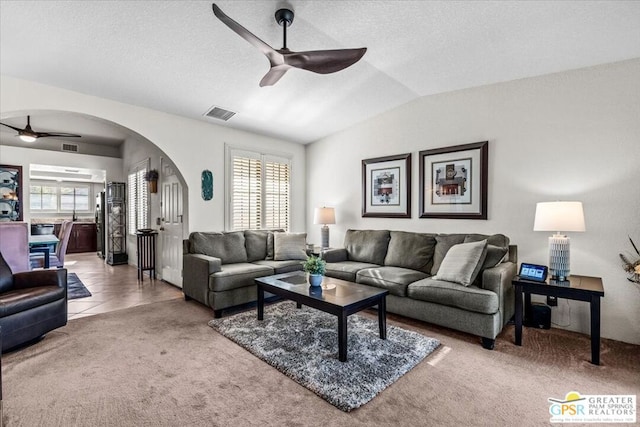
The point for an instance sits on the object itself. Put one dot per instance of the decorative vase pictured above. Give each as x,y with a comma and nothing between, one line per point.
153,186
315,279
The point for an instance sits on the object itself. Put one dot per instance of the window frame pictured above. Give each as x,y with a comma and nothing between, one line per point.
58,195
264,157
138,171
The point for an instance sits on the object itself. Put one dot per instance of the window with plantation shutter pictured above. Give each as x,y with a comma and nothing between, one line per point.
258,190
138,199
276,194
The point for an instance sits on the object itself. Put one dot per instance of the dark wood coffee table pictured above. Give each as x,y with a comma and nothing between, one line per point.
335,296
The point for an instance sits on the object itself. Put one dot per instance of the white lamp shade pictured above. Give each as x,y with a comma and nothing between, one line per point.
324,216
559,216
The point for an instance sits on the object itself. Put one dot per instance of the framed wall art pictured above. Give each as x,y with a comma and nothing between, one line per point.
453,181
386,187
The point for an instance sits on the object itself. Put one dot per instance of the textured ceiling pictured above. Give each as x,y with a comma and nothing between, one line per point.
175,56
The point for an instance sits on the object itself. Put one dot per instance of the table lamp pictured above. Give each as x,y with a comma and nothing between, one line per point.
324,216
559,216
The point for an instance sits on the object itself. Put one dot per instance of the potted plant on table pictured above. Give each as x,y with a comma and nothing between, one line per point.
152,178
316,268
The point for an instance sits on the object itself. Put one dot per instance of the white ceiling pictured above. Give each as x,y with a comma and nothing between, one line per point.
175,56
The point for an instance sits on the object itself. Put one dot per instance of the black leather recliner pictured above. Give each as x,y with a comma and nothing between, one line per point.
32,303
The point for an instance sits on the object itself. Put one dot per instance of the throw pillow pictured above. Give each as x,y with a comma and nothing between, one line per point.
463,263
444,242
287,246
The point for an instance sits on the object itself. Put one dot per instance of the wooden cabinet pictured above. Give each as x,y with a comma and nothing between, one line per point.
84,237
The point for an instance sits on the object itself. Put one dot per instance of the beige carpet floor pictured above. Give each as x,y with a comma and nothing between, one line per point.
161,365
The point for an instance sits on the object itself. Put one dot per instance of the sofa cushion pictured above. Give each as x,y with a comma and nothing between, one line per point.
368,246
288,246
346,270
444,242
393,279
497,248
255,243
499,240
462,263
282,266
469,298
239,275
411,250
20,300
229,247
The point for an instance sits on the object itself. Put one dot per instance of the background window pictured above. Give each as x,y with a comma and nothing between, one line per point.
59,197
43,197
258,192
74,198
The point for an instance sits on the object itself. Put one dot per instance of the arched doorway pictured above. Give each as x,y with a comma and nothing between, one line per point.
104,145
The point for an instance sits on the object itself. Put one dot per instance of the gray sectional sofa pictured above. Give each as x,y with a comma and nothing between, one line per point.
219,268
429,280
460,281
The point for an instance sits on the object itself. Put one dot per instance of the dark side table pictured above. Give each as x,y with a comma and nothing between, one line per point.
579,288
146,253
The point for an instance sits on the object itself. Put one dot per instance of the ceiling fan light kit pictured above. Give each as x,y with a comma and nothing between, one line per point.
281,60
27,138
29,135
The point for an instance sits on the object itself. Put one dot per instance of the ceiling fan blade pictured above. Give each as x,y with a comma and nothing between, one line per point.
12,127
47,134
274,74
324,61
275,58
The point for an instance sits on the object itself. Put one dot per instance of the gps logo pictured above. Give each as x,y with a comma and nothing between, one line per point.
570,406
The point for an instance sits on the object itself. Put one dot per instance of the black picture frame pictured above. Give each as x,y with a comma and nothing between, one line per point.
386,187
454,181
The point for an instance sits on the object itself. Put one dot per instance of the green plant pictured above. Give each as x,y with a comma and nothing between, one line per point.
314,265
632,267
151,175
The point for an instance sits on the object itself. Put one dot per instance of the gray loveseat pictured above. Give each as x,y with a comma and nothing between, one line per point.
408,265
219,268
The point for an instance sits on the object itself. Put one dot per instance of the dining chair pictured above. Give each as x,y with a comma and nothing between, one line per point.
14,243
57,259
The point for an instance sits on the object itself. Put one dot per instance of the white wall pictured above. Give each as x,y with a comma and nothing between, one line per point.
192,145
569,136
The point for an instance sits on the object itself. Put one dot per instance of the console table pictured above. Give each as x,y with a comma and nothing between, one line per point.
580,288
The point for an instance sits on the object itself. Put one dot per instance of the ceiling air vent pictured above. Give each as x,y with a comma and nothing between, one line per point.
220,113
73,148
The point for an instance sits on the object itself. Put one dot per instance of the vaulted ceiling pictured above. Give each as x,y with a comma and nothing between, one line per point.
175,56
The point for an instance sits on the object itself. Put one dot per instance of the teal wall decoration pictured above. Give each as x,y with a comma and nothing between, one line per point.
207,185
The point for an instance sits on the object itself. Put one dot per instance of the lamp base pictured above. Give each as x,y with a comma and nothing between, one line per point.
325,236
559,257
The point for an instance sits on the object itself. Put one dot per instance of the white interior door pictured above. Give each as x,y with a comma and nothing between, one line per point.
171,232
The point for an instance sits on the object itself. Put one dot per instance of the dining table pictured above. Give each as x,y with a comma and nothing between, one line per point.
42,243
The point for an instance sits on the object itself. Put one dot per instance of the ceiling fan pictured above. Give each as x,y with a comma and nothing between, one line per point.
281,60
29,135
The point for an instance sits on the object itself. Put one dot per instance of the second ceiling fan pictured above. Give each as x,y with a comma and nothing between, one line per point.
29,135
281,60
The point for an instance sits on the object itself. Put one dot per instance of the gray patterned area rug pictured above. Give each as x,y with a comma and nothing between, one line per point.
303,344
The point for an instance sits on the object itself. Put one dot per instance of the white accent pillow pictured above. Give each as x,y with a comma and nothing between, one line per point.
287,246
462,263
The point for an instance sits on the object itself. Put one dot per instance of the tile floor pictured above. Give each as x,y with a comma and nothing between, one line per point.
113,287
